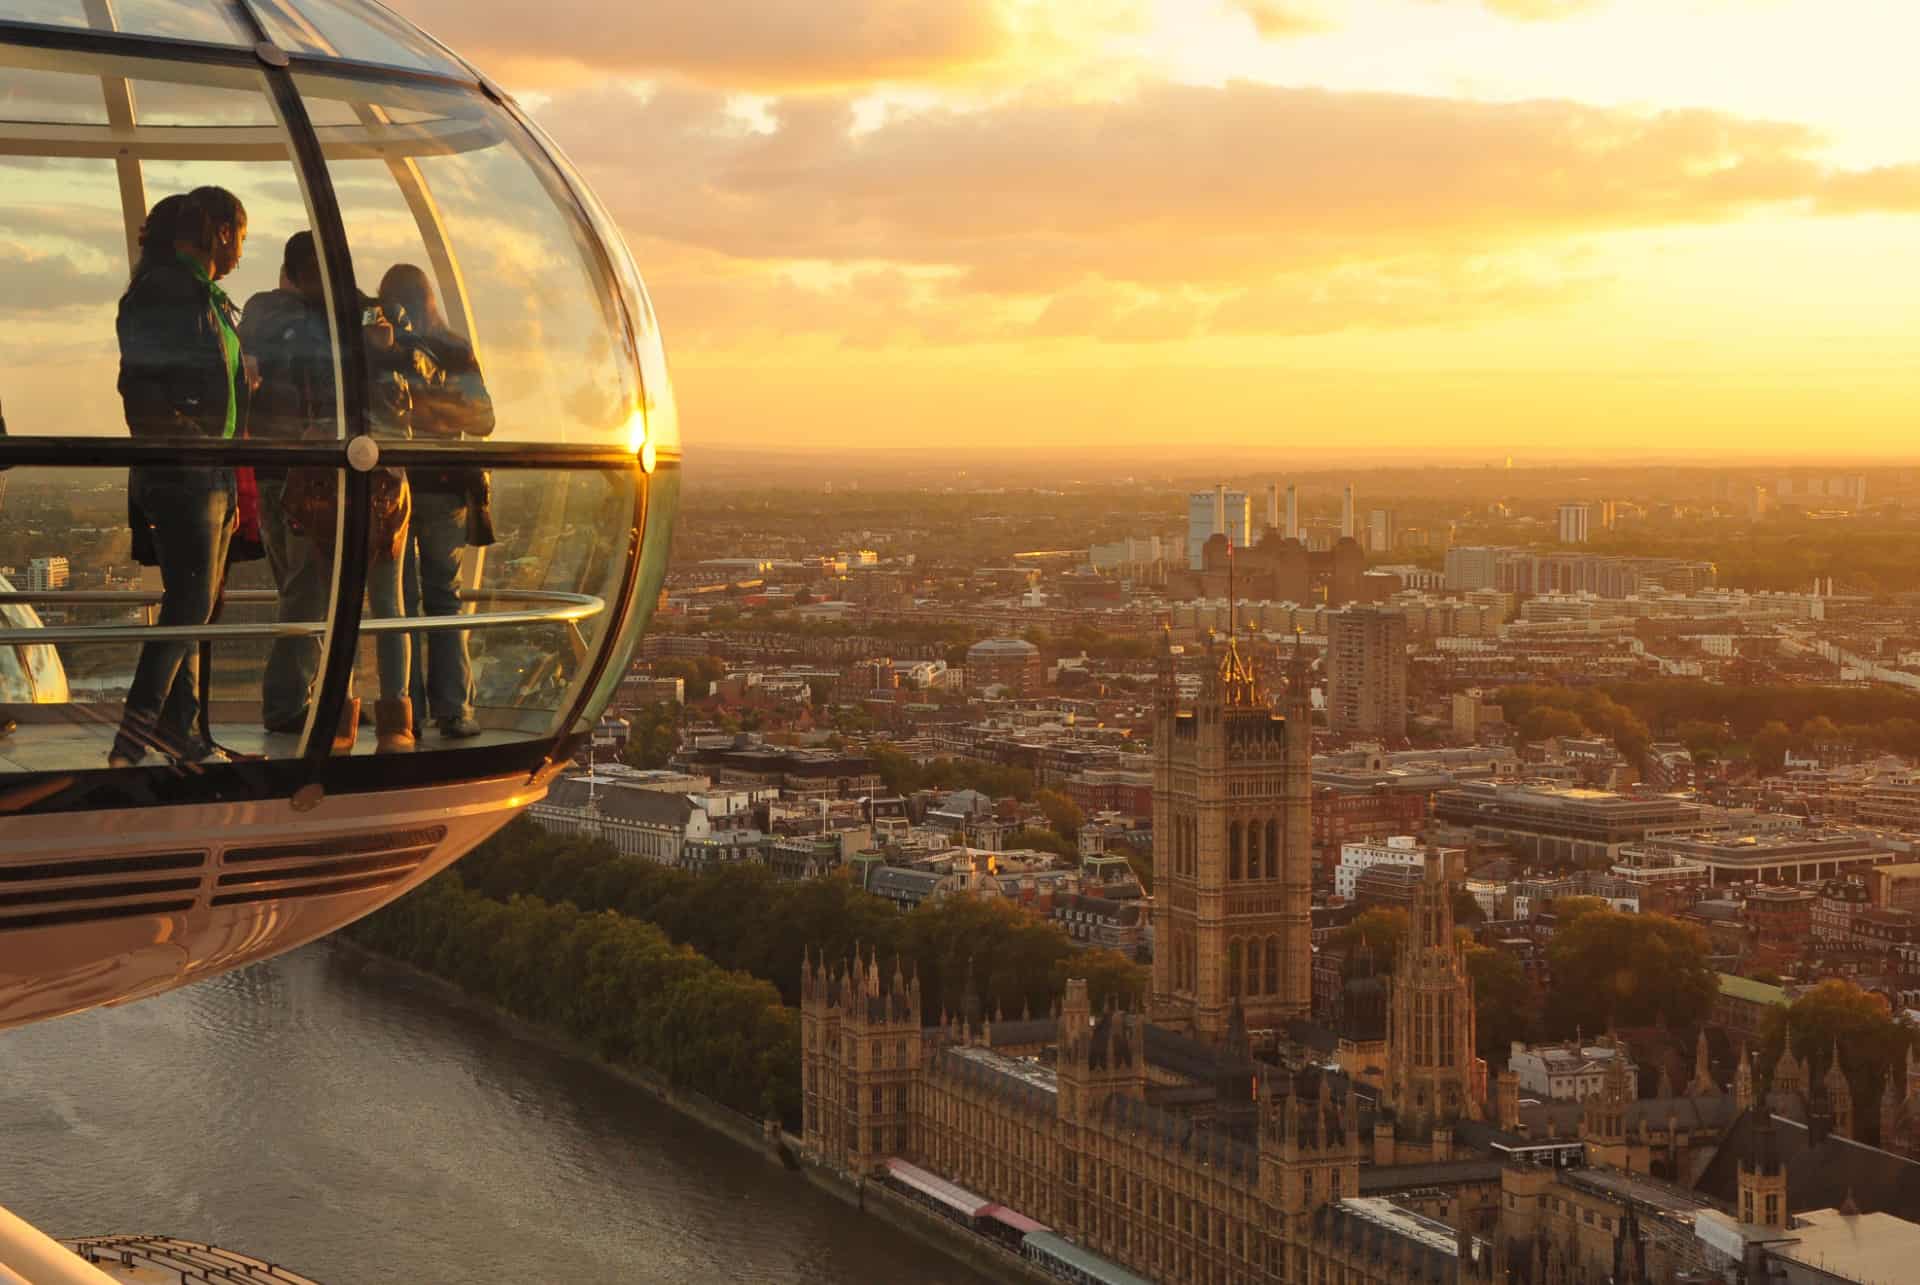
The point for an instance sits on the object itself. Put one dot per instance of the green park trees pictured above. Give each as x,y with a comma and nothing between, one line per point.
1379,931
1505,1004
741,917
1612,969
653,735
614,984
900,774
1062,813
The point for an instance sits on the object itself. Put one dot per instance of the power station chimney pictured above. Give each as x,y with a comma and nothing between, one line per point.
1293,512
1219,508
1346,513
1273,506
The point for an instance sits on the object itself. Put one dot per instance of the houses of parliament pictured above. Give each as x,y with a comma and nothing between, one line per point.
1156,1139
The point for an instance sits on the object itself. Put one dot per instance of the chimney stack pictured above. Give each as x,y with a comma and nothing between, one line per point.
1220,508
1273,506
1346,513
1293,512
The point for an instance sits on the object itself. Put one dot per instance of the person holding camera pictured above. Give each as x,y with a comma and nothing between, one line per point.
452,507
288,335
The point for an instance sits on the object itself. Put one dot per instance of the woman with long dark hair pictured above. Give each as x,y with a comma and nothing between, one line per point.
181,378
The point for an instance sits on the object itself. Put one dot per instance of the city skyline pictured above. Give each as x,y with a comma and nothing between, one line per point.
1505,226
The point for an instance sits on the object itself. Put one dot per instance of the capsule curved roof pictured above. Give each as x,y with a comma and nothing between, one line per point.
350,30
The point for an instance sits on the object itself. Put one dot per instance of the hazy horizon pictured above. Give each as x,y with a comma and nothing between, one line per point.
1656,227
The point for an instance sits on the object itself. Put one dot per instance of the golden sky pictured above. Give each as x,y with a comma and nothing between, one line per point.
1485,226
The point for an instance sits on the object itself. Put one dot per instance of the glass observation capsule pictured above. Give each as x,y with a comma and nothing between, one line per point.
338,465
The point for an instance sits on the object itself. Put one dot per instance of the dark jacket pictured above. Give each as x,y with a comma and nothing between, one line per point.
287,335
173,372
450,401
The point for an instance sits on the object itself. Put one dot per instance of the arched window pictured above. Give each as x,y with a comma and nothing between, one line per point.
1273,965
1253,967
1233,850
1236,962
1273,848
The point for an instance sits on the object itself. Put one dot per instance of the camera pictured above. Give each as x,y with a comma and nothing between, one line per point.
370,315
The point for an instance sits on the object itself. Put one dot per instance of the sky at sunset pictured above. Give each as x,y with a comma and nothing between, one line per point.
1148,226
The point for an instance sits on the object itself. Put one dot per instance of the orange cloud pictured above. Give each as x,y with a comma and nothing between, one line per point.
743,44
1175,185
1179,212
1884,189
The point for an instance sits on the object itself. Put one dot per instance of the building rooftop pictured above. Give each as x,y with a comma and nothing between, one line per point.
1820,1174
1853,1247
1026,1070
1751,991
1383,1213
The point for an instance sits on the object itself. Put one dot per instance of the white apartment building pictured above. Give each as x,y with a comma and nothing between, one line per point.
1396,850
1565,1072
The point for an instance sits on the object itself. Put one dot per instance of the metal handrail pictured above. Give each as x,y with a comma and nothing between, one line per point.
565,608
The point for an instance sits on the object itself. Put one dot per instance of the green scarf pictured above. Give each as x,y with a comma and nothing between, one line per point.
229,341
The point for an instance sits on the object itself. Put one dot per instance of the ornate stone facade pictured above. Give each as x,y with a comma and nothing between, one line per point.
1267,1194
1435,1078
860,1045
1232,824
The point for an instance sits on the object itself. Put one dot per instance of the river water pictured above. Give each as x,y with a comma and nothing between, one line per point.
345,1118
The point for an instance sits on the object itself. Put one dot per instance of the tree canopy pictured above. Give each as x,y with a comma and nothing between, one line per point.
653,735
902,775
1613,969
616,985
1380,930
1505,1004
1062,813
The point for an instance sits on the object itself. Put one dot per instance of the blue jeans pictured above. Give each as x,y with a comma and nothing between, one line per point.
389,650
438,534
304,577
192,511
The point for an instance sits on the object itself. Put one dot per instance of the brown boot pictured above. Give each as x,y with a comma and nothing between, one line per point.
349,731
393,726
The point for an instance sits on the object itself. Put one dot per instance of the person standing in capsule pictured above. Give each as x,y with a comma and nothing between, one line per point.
182,377
452,507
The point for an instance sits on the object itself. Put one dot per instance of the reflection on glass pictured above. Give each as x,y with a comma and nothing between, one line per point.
363,32
460,192
661,413
534,608
205,20
30,674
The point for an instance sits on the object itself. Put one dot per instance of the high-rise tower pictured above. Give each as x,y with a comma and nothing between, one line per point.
1232,835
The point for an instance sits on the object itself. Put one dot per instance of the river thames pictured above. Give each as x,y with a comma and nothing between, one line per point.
342,1117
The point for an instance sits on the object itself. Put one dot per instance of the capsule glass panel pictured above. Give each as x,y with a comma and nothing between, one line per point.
447,186
204,20
508,321
362,32
196,346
